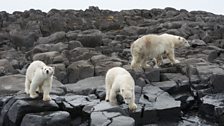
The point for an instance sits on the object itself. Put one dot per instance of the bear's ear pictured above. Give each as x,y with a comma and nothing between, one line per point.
53,68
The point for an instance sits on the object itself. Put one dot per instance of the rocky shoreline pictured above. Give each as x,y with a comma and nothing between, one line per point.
83,44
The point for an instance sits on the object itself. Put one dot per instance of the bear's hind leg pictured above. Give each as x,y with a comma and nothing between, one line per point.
108,88
136,62
27,86
112,98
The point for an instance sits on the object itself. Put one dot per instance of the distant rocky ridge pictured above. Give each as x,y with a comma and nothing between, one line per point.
84,44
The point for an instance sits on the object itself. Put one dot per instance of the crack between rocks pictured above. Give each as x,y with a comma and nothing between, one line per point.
111,119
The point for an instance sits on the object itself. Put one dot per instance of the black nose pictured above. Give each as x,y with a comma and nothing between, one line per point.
47,71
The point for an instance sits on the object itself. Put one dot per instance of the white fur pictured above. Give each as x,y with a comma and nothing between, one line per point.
119,80
153,46
39,76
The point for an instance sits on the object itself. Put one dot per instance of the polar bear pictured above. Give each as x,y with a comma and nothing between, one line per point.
153,46
119,81
39,76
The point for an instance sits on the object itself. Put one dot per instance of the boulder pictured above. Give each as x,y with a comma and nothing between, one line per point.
90,38
53,38
86,86
74,44
17,107
80,70
103,63
6,67
81,53
57,118
46,57
212,108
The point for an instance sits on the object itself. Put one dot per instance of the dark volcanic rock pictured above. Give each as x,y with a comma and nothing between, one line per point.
111,119
90,38
212,108
57,118
86,86
54,38
159,105
80,70
15,109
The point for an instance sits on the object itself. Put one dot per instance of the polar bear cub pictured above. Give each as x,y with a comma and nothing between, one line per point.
119,80
39,76
153,46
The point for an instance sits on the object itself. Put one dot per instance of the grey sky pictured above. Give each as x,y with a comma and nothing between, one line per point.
214,6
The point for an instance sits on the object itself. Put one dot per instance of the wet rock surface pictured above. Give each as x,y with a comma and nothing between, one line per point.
83,44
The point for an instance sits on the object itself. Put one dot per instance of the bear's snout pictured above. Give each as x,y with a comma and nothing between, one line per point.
47,71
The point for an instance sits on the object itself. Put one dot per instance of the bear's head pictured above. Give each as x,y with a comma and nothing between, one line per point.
182,42
127,95
47,70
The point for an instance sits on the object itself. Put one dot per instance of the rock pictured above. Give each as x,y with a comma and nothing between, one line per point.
72,35
134,30
12,84
47,57
17,107
53,38
103,63
153,75
79,105
74,44
23,38
216,82
80,70
57,118
111,119
86,86
212,108
197,42
90,38
106,106
50,47
159,105
6,67
168,86
205,70
80,53
60,72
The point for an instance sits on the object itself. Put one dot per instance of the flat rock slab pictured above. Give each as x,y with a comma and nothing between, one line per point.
156,106
111,119
212,108
12,84
86,86
57,118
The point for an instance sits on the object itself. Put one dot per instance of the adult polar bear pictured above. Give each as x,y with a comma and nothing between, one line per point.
154,46
39,76
119,80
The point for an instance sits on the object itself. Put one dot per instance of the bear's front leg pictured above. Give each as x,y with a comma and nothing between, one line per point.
171,56
46,89
33,87
132,106
112,98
